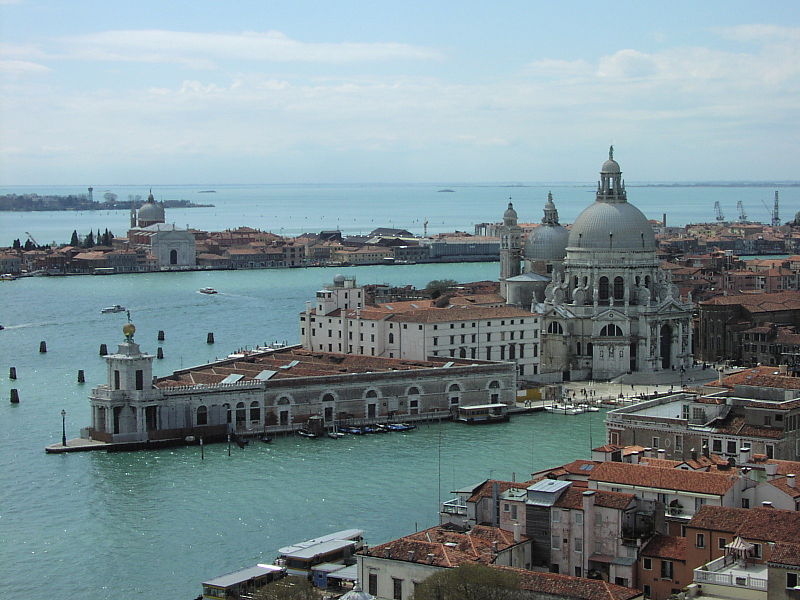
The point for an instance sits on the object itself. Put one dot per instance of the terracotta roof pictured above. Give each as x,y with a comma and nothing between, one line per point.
487,487
662,463
764,524
573,499
567,586
461,313
762,377
665,546
735,425
788,300
782,484
786,466
785,553
666,479
444,547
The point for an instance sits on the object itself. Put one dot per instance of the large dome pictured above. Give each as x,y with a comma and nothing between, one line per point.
612,226
151,211
547,242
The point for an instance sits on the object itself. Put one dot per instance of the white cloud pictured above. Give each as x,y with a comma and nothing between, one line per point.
21,67
204,50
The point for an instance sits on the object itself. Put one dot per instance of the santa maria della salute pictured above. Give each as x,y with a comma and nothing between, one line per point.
606,306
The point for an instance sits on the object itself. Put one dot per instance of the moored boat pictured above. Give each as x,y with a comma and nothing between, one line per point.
113,309
207,290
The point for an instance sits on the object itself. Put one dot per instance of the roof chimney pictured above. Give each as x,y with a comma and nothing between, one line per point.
766,504
410,556
782,369
431,557
518,536
662,453
387,552
494,547
771,469
634,458
744,454
648,452
790,480
694,454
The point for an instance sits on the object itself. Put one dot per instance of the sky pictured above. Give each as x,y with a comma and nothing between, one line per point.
258,91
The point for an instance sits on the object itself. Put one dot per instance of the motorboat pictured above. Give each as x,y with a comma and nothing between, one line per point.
207,290
113,309
306,433
335,435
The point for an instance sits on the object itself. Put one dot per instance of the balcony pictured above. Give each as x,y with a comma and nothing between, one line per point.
732,572
454,507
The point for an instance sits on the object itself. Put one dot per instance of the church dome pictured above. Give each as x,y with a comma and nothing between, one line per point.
151,212
547,242
612,226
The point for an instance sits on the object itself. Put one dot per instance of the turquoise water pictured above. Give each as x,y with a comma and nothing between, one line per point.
155,524
294,209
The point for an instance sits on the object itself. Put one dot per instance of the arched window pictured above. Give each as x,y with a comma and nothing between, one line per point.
610,330
647,281
202,415
255,411
413,391
493,385
555,327
619,288
454,387
328,398
371,394
512,354
283,400
173,257
391,338
454,394
602,289
462,353
241,413
578,348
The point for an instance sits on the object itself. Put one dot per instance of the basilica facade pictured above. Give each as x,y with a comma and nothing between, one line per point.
607,307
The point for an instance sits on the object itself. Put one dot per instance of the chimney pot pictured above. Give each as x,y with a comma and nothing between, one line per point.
790,480
410,555
766,504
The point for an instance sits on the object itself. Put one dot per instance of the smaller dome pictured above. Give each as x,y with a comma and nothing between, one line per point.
610,166
151,212
510,216
357,594
338,279
547,243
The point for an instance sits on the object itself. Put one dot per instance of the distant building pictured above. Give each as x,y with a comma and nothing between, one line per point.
171,247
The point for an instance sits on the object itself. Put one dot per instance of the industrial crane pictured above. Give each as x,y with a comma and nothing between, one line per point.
33,241
742,214
718,211
775,218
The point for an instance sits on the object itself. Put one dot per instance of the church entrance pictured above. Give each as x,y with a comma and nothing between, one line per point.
666,346
173,257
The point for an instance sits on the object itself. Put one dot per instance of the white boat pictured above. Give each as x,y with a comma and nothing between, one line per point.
207,290
113,309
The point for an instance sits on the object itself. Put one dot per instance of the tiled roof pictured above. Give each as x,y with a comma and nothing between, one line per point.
782,484
573,499
443,547
487,487
662,463
786,553
788,300
762,377
666,479
665,546
567,586
735,425
460,313
764,524
786,466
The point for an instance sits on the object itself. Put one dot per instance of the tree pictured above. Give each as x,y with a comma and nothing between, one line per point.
74,240
88,241
109,197
17,245
437,287
470,582
288,588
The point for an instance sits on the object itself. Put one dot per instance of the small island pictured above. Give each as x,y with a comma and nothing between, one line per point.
79,202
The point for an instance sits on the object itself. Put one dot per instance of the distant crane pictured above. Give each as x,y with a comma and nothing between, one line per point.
775,218
425,228
33,241
742,214
718,211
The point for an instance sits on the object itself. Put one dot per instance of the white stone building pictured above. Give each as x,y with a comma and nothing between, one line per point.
417,330
171,247
608,308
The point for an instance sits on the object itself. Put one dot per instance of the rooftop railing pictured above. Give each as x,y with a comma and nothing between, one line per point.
729,571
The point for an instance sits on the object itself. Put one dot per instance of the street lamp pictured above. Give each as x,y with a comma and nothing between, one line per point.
63,427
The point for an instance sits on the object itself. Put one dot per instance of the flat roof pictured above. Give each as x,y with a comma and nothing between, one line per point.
345,534
241,575
317,549
483,406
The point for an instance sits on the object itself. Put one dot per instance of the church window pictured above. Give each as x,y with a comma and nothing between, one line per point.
610,330
116,379
462,353
391,338
241,413
139,379
578,348
173,257
555,327
202,415
619,288
602,288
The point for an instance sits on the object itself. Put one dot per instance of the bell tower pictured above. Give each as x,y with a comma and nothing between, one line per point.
510,248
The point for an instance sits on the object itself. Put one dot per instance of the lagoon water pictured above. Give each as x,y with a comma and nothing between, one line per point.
155,524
